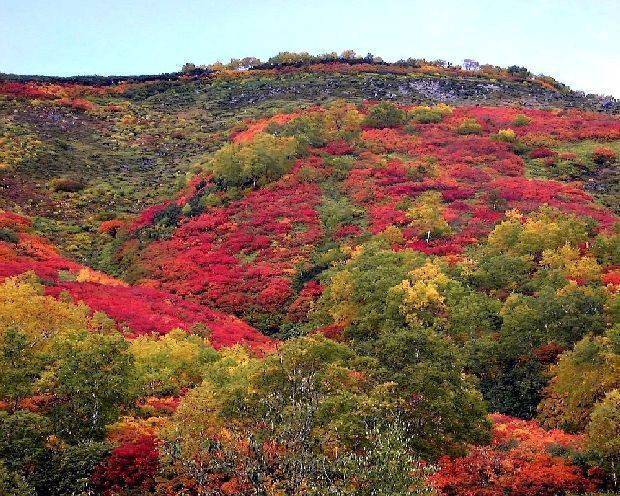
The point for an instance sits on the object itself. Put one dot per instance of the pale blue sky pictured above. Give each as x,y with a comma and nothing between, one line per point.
576,41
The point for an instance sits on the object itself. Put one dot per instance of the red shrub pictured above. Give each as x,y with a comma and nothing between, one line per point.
542,153
519,462
130,466
604,155
339,148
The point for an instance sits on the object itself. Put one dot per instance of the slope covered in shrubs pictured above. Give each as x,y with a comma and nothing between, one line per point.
137,310
313,276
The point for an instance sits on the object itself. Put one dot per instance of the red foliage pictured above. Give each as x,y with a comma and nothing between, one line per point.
149,311
161,405
260,125
332,331
612,279
548,353
604,155
137,309
67,95
111,226
298,310
339,148
130,466
542,153
519,462
241,257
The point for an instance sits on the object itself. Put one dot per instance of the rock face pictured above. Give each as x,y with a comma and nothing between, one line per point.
412,89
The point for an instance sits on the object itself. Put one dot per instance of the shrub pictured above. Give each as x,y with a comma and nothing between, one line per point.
604,155
67,185
8,235
469,125
385,115
258,162
430,115
542,152
521,120
506,135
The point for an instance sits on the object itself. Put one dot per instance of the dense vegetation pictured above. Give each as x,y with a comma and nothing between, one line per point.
260,282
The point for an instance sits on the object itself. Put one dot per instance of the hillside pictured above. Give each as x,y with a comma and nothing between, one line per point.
419,265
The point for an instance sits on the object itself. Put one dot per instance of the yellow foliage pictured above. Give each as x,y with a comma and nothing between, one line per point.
342,120
507,135
544,230
343,310
17,145
421,293
569,262
89,275
23,305
393,235
199,417
426,215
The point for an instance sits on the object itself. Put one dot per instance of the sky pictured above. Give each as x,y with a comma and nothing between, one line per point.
575,41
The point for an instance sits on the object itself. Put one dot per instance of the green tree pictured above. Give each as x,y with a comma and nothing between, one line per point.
20,366
604,433
288,419
386,467
68,470
164,365
580,380
91,376
442,407
14,484
23,437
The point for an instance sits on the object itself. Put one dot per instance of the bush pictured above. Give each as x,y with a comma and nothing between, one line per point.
8,236
604,155
264,159
67,185
469,126
430,115
542,152
506,135
521,120
384,115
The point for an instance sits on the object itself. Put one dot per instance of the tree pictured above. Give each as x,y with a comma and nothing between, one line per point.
580,380
387,467
14,484
518,462
306,419
422,300
519,71
20,366
166,365
604,433
357,293
91,377
545,229
442,407
24,308
68,470
23,437
188,68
